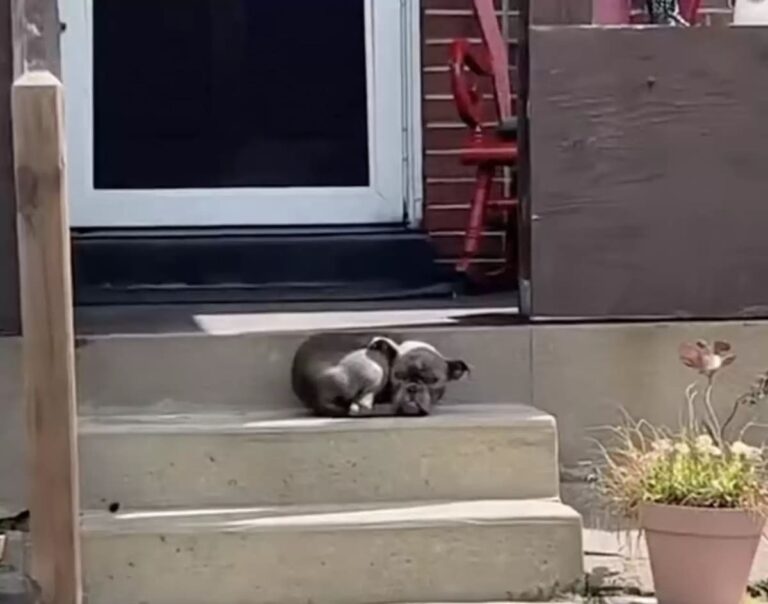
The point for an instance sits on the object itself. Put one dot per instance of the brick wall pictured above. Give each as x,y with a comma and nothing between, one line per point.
448,185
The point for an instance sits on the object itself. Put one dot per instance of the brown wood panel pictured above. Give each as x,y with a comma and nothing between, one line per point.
648,176
9,293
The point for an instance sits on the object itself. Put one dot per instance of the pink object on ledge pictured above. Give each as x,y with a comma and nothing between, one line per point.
690,10
611,12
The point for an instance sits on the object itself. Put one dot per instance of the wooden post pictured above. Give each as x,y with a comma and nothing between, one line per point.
47,326
36,31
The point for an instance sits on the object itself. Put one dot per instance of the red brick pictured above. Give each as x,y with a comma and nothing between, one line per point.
451,246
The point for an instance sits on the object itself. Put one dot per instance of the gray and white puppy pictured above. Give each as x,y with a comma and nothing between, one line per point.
418,375
342,374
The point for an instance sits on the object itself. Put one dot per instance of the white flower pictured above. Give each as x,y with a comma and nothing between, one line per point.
682,449
740,449
662,445
706,446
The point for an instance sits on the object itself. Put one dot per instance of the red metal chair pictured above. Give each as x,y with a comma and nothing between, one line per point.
488,149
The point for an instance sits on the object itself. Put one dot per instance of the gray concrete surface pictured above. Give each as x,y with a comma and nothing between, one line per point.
471,551
588,376
250,372
582,374
468,452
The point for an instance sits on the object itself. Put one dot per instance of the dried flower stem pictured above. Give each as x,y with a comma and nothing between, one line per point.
713,420
731,417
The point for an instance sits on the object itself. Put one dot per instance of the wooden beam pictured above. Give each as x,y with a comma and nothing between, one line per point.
648,178
48,334
36,32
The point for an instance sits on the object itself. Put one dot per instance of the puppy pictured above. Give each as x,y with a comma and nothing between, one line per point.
418,375
342,374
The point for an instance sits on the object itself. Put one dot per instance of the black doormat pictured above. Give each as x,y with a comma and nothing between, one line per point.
199,266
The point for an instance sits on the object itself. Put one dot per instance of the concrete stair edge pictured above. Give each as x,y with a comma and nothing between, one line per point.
450,551
470,452
475,415
328,517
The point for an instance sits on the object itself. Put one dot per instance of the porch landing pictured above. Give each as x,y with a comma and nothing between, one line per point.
282,317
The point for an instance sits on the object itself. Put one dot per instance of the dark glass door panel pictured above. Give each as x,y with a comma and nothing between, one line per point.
230,93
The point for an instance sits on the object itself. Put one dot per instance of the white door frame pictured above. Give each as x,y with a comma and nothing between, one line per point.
394,133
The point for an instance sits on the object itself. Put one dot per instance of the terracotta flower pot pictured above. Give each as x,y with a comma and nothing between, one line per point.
700,555
610,12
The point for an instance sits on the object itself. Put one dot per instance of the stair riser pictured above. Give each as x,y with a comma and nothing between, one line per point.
215,374
351,466
150,267
434,564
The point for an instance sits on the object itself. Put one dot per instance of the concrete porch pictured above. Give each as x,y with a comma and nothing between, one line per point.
183,410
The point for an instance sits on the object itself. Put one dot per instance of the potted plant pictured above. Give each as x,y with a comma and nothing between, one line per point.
698,492
673,12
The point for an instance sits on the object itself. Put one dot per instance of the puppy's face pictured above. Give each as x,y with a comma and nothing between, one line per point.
419,376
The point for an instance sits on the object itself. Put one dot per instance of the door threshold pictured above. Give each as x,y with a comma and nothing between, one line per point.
237,231
256,265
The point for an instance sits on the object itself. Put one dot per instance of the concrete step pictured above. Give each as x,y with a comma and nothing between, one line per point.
463,452
243,364
449,552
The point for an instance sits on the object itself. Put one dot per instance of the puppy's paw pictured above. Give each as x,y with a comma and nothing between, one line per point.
366,402
354,409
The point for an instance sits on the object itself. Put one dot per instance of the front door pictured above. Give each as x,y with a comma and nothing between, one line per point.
237,112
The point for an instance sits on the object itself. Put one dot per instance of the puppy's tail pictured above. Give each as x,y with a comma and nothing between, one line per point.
386,346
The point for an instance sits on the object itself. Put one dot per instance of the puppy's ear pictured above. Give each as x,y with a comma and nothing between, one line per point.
385,346
457,369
